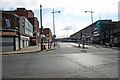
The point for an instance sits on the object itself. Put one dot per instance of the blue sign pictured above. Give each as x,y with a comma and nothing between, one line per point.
7,23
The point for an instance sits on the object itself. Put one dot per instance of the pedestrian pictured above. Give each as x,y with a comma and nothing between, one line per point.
105,44
110,44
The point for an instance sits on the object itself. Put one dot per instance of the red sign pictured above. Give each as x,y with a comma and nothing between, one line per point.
54,36
33,39
8,33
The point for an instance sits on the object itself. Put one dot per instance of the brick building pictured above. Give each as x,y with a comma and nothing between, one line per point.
33,20
24,12
104,31
47,34
115,33
87,31
17,28
10,32
36,35
26,31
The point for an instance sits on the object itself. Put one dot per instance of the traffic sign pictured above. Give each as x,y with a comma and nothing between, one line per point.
83,37
54,36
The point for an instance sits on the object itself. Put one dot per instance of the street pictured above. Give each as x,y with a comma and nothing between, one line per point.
67,61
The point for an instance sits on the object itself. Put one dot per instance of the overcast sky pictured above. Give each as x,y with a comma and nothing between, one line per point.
72,17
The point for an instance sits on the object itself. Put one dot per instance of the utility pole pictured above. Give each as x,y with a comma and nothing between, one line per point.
41,27
54,25
92,22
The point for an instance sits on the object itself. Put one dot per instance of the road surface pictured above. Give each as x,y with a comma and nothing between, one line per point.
67,61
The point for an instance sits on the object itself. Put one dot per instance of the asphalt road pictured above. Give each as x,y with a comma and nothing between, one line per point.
67,61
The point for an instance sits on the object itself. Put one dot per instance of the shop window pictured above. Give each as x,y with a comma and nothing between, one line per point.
107,34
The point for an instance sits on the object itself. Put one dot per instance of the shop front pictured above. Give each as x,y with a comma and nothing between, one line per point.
24,41
9,41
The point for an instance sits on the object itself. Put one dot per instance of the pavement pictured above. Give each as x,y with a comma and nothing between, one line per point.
97,46
33,49
30,49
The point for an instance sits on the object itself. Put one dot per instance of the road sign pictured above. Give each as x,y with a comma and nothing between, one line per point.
54,36
83,37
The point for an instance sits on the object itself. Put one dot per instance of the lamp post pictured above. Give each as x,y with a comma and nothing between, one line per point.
41,27
91,19
54,24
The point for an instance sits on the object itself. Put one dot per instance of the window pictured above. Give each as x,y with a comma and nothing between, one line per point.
107,34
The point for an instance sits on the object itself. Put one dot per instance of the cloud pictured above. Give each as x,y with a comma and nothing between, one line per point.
75,7
70,9
69,27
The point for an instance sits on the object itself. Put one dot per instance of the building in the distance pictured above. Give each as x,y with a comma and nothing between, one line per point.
100,32
47,35
90,32
36,36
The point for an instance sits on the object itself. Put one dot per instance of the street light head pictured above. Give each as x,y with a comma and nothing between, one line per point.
58,11
40,6
85,11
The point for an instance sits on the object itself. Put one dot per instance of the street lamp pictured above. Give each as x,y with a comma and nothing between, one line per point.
41,27
54,24
91,18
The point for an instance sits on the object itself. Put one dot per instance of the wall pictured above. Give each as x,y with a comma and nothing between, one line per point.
13,19
24,12
26,27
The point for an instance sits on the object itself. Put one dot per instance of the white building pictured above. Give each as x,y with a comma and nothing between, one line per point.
26,31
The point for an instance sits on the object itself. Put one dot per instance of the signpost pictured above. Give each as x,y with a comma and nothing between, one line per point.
83,38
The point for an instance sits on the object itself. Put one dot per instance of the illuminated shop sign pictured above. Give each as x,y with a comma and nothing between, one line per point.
33,39
8,33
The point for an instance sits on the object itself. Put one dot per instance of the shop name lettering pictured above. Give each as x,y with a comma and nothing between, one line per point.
7,33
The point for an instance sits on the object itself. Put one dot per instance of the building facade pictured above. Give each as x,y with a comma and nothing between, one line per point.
36,36
26,31
101,32
24,12
9,32
47,34
90,32
115,34
16,29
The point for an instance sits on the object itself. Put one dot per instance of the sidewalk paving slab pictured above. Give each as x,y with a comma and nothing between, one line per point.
31,49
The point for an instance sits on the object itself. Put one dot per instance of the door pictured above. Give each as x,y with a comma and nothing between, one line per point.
7,44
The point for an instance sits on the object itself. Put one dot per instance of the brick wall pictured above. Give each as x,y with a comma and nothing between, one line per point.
13,19
24,12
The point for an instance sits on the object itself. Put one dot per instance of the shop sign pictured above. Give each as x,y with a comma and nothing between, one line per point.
33,39
8,33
